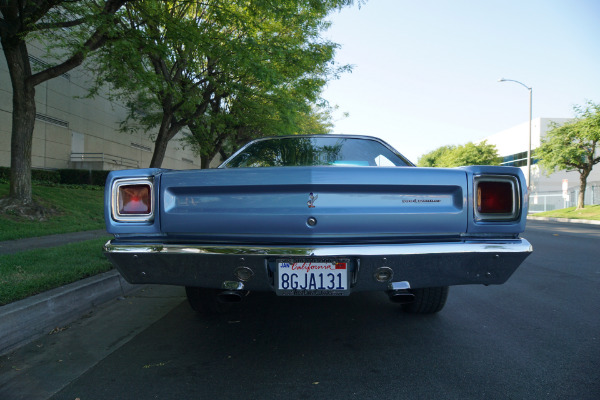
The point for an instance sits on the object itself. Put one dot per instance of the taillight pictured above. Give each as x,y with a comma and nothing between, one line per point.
496,197
133,200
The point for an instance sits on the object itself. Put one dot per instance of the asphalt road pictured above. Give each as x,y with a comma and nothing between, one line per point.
535,337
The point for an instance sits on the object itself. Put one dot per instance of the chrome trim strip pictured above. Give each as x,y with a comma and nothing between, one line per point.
513,246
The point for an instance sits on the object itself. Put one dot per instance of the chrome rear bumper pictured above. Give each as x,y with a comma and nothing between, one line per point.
421,265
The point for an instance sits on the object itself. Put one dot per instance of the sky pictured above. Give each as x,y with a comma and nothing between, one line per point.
425,73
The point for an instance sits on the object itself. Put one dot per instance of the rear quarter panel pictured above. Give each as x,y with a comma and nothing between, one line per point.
506,227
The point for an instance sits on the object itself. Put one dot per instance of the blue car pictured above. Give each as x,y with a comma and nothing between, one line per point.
320,215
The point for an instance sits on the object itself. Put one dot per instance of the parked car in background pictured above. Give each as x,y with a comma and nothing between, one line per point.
322,215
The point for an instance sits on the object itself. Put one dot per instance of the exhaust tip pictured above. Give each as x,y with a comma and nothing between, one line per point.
401,296
230,296
383,274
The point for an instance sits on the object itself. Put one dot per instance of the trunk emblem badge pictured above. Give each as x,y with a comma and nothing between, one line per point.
311,200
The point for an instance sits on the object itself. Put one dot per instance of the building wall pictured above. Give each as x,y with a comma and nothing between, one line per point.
515,140
546,188
69,123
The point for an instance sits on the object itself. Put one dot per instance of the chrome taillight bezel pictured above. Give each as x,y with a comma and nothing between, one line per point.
115,198
513,215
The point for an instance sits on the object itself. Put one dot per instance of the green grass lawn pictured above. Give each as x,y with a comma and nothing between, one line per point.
588,212
80,208
35,271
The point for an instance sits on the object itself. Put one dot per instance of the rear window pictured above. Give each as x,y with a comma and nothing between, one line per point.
315,151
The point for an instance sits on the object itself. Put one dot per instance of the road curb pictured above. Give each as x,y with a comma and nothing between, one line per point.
569,220
24,321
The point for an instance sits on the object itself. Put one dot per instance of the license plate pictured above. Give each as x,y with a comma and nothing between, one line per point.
312,277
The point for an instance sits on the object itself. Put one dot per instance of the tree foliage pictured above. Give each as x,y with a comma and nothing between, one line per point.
228,70
456,156
573,145
434,157
222,133
70,30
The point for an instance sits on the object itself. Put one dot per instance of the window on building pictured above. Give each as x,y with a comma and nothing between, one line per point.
518,159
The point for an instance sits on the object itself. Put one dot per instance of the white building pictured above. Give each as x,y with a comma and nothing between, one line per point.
72,131
548,192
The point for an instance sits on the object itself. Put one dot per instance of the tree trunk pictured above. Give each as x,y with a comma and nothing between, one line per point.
23,119
169,128
167,131
160,149
205,162
582,184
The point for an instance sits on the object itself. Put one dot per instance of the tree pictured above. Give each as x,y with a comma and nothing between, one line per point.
285,112
75,29
204,65
456,156
318,121
573,145
159,68
432,159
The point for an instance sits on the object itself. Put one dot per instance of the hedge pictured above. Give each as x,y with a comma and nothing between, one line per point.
83,177
63,176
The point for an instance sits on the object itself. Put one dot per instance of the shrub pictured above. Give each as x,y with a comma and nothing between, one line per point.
4,173
62,176
83,177
37,175
45,176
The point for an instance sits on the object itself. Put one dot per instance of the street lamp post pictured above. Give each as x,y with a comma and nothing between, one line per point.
530,118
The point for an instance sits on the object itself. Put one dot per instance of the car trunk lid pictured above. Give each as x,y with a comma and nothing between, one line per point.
313,204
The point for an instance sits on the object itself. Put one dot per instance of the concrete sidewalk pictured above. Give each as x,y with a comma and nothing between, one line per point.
20,245
568,220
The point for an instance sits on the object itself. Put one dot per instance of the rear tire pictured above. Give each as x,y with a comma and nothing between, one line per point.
427,300
205,301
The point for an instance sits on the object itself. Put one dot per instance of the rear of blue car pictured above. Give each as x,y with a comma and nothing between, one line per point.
322,230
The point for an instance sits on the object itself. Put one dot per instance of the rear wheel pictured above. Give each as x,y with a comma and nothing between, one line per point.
427,300
205,301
